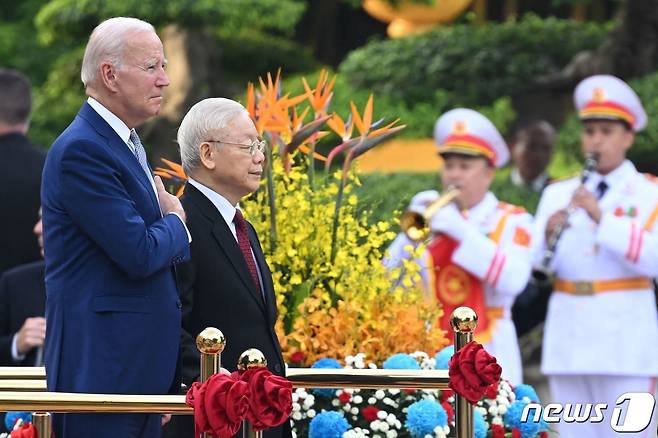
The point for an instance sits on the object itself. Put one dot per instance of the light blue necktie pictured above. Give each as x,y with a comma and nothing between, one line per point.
140,154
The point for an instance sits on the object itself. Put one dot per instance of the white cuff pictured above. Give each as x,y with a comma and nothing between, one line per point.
189,236
14,349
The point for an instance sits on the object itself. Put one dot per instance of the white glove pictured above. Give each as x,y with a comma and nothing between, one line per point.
448,220
421,200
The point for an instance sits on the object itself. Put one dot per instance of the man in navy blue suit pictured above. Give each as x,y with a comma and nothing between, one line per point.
113,236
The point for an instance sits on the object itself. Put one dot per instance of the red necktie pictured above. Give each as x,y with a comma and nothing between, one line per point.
245,247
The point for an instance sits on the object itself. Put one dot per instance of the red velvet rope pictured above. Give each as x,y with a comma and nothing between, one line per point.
223,402
26,430
472,370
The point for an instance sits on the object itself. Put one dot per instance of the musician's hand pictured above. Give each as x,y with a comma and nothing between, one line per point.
422,200
584,199
448,220
557,219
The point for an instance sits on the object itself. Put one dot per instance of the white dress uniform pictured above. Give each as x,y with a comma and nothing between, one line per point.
494,247
601,332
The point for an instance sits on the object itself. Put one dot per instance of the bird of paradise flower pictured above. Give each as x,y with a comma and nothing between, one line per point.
279,121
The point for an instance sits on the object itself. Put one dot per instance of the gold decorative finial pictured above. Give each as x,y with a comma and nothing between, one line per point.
211,341
464,320
252,358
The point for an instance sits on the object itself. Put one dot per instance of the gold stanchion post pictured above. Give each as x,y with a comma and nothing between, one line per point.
43,424
463,322
210,343
252,358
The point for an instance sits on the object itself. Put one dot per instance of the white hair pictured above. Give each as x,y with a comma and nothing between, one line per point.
107,43
208,117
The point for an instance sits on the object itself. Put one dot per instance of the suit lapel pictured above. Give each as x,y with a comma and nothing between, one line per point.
226,242
120,148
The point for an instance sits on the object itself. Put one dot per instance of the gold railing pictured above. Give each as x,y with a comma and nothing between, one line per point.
22,389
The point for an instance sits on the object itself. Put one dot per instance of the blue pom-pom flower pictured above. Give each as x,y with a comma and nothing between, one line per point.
12,417
512,419
480,427
328,425
326,362
401,361
443,357
526,391
424,416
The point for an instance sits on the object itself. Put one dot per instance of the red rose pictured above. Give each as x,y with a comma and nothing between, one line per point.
270,403
370,413
471,370
446,394
543,435
449,410
220,404
297,357
26,430
491,391
345,397
497,431
516,433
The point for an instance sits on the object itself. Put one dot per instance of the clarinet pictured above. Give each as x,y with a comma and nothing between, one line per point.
542,275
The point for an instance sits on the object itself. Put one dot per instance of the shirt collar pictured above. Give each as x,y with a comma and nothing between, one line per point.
115,123
537,184
221,203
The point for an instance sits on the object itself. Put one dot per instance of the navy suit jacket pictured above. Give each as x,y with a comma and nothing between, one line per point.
112,306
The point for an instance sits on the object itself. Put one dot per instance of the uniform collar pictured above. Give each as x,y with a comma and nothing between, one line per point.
614,178
482,210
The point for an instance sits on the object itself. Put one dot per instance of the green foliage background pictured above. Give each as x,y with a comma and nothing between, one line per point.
474,65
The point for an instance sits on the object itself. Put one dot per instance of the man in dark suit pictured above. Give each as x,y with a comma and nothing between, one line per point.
20,172
113,236
22,306
227,284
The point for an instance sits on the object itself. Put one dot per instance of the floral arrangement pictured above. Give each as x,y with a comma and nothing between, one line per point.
333,294
360,413
19,425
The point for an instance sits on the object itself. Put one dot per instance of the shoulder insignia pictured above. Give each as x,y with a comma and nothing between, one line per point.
651,178
511,208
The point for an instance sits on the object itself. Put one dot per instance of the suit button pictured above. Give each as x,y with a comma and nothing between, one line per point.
277,368
179,304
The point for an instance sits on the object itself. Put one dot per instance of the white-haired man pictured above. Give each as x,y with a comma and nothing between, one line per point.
227,284
113,236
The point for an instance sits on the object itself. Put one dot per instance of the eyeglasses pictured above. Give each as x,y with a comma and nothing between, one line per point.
256,145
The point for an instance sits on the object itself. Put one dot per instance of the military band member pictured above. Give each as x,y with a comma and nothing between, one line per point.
601,329
479,255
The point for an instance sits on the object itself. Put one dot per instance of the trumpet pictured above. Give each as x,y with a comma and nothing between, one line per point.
416,225
542,276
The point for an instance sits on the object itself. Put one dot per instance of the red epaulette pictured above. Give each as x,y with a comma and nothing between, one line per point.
650,177
511,208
